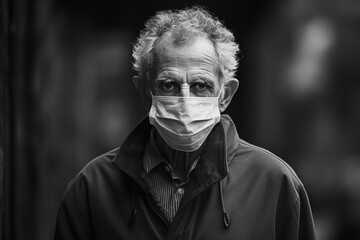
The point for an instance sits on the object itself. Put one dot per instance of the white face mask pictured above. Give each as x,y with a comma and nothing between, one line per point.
184,122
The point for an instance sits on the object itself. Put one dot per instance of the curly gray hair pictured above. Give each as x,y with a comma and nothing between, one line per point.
181,26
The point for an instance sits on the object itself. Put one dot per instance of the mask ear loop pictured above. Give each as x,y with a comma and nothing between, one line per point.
219,95
221,89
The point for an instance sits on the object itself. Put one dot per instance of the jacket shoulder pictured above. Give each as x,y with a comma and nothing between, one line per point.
83,194
93,171
261,161
100,162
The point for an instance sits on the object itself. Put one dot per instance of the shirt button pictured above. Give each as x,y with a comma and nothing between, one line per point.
167,169
180,191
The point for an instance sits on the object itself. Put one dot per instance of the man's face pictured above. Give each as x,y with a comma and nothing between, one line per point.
189,70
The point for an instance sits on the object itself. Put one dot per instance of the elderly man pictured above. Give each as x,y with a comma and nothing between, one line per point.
183,172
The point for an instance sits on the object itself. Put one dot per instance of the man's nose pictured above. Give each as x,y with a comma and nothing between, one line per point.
185,90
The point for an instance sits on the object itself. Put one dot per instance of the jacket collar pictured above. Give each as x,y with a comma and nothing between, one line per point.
212,166
152,157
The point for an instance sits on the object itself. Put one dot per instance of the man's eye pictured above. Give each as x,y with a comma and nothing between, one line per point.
168,86
200,86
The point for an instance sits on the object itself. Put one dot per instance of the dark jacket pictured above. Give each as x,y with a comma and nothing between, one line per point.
241,192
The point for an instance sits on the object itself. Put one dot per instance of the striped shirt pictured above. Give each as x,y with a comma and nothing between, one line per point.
164,186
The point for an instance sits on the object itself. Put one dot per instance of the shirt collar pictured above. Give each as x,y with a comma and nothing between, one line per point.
153,157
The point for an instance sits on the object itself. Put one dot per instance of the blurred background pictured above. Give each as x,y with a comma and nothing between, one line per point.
66,96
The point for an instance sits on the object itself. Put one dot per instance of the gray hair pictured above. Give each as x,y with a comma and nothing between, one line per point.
182,26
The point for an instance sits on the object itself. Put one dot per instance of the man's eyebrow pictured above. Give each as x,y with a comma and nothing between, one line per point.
208,82
165,79
203,77
160,79
165,75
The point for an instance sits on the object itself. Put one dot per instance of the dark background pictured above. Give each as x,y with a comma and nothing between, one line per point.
66,96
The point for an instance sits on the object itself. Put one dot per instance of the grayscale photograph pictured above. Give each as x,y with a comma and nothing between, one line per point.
179,120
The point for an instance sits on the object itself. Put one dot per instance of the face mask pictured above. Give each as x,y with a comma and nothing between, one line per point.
184,122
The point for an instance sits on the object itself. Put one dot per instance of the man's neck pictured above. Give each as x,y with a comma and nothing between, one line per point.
179,161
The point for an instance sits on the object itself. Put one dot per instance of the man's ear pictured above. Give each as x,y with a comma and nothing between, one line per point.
229,91
143,90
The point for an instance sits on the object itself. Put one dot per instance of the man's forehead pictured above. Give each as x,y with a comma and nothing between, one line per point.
197,57
198,41
199,47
